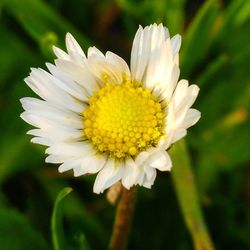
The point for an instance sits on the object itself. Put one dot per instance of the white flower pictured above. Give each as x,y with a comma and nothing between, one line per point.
98,116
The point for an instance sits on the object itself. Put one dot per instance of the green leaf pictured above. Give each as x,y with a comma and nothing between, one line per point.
198,37
175,15
82,242
12,52
188,197
234,16
43,24
57,221
76,211
212,69
16,233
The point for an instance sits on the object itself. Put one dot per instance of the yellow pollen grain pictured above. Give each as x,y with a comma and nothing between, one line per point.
123,120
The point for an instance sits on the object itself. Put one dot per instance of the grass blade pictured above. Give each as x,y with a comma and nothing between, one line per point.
188,198
56,222
43,24
198,37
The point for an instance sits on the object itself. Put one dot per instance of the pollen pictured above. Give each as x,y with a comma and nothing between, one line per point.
123,120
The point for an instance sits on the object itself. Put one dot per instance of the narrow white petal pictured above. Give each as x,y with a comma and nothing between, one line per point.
94,52
131,174
42,83
41,141
57,159
108,176
153,57
59,118
105,71
138,56
72,45
79,74
90,164
65,83
149,172
180,92
176,43
119,62
41,121
169,84
178,134
142,157
160,160
184,104
72,149
60,53
148,182
190,97
70,164
159,66
58,134
191,118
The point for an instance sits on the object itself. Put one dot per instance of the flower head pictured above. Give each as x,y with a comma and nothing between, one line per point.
98,116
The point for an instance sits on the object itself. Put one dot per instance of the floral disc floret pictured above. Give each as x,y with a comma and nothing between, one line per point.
123,120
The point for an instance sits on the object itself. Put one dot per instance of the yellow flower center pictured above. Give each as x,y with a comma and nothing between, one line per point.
123,120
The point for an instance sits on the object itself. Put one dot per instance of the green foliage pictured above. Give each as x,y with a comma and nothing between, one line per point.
57,223
16,232
188,197
215,55
198,36
42,23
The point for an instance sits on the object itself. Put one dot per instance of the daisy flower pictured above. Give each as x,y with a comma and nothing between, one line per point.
97,115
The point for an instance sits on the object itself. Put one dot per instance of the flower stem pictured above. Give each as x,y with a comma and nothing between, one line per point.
123,219
188,197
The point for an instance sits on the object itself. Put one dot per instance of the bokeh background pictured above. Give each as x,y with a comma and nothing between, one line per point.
215,55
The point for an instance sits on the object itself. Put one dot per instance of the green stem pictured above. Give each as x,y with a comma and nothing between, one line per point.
123,219
188,197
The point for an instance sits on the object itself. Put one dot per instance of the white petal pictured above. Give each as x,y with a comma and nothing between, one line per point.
142,157
138,61
180,92
70,164
170,83
176,43
149,172
178,134
119,62
159,66
108,176
57,159
105,71
72,45
41,121
189,98
60,53
90,164
160,160
42,83
153,55
93,52
72,149
79,74
41,141
58,134
191,118
148,182
43,111
131,174
185,103
65,83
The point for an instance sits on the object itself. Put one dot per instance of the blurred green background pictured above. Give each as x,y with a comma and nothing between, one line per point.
215,54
